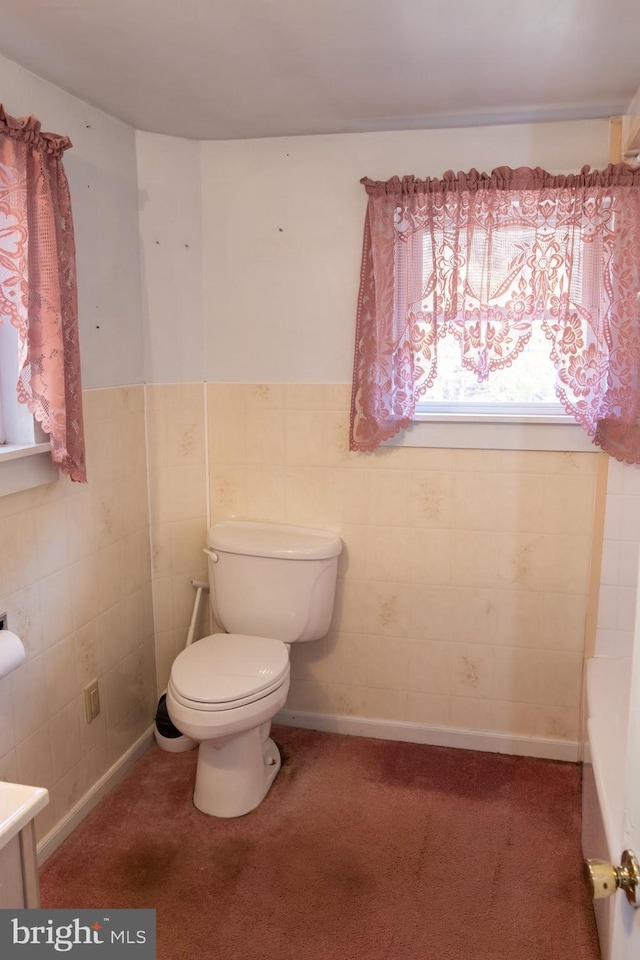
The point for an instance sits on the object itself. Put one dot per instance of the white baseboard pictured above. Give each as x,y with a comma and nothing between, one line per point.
76,815
435,736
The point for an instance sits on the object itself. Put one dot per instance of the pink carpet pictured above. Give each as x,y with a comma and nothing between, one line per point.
363,850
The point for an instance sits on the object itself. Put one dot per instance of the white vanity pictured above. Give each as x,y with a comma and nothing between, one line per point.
19,804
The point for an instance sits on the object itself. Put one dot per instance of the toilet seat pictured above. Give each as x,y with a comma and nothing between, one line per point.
224,671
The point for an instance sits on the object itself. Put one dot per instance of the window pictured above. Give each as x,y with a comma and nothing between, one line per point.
524,390
25,458
514,288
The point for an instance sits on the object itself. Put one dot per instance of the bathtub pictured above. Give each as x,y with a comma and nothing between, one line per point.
608,683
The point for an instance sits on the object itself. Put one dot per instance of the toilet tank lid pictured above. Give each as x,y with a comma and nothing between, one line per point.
258,539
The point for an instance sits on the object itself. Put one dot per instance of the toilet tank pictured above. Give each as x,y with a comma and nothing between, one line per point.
272,580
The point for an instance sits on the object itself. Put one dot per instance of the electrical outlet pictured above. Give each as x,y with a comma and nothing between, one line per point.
92,700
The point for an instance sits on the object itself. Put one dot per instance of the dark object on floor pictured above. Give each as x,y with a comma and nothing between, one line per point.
164,726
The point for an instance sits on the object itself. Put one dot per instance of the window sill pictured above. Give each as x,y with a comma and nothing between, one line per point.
486,434
23,466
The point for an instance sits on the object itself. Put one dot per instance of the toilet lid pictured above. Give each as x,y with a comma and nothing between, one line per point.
225,668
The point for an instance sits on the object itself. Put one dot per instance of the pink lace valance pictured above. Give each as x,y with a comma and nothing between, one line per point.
504,178
482,258
38,291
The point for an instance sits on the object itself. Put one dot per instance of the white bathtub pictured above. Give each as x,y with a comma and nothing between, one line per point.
607,686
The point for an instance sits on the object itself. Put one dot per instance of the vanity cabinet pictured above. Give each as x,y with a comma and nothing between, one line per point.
19,804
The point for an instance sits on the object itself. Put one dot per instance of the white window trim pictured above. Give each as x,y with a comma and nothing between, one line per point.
481,432
25,461
25,466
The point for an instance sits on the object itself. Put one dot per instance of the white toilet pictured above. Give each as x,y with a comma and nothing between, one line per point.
271,585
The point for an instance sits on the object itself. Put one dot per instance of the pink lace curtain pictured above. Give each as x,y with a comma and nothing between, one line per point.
484,257
38,283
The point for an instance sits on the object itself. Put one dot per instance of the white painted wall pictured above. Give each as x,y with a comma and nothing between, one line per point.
282,234
101,168
170,221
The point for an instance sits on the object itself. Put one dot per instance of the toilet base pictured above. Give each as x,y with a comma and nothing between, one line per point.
234,774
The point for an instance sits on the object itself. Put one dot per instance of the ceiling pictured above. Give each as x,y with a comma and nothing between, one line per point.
229,69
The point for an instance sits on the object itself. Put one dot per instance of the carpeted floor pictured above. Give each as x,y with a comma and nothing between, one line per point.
363,850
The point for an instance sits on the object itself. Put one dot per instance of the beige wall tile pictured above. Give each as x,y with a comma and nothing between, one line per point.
515,718
560,678
309,660
387,664
470,714
82,555
558,723
521,500
60,667
346,658
29,698
567,564
562,622
227,435
265,436
344,700
428,708
185,435
24,618
390,503
384,704
387,557
518,618
432,556
474,558
353,559
20,562
568,501
475,501
66,747
226,491
515,674
87,643
473,616
34,763
388,609
471,669
7,729
85,594
429,667
431,499
310,696
521,560
431,611
265,492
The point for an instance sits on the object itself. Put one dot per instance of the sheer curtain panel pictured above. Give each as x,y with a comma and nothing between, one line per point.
38,292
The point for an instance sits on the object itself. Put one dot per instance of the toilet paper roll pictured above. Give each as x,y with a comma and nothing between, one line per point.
11,652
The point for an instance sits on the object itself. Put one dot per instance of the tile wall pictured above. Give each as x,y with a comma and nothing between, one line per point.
463,582
75,582
619,576
178,513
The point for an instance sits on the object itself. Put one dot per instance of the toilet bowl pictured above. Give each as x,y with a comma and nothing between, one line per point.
225,689
223,692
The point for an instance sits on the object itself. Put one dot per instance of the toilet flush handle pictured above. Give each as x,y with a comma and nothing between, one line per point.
213,556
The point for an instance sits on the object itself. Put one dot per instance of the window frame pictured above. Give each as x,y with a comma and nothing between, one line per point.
25,450
495,425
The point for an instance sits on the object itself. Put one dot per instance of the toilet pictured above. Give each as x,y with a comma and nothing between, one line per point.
271,585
